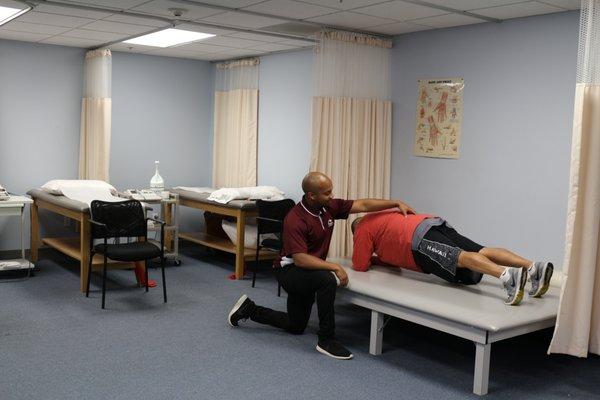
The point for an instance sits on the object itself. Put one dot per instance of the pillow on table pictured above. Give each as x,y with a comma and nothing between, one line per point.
56,186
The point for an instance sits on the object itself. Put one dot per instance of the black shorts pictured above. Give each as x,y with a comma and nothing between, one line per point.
438,254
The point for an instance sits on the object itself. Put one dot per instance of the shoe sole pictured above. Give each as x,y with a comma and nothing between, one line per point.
236,307
520,292
548,271
323,351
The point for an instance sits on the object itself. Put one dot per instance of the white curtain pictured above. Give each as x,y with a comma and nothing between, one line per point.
352,120
94,142
236,124
577,330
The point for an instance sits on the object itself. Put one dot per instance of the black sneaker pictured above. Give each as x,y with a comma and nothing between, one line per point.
242,309
334,349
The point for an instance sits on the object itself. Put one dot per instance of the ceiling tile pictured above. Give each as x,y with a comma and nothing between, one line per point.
34,17
351,19
75,12
136,21
290,9
118,4
95,35
399,10
161,7
566,4
71,41
130,48
255,36
342,5
17,26
234,53
243,20
465,5
201,47
273,47
23,36
232,42
171,52
204,29
518,10
232,3
118,27
398,28
448,20
297,43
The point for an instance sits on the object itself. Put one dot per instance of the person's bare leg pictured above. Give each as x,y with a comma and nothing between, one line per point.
479,263
505,257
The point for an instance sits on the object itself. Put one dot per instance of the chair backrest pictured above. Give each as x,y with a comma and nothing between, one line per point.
122,219
275,210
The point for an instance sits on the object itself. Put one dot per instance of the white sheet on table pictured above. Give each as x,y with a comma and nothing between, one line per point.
225,195
201,190
87,194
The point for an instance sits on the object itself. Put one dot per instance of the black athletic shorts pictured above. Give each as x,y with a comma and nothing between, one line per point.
438,254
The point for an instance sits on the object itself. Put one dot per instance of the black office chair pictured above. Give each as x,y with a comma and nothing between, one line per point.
270,220
125,219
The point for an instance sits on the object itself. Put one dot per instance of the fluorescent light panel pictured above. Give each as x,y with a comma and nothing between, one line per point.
8,13
168,37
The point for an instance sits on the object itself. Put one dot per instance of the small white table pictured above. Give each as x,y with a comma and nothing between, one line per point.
15,206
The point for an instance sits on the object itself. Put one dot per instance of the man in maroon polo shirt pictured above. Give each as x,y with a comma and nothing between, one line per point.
303,270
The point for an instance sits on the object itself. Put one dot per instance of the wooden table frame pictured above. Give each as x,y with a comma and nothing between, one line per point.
210,240
77,248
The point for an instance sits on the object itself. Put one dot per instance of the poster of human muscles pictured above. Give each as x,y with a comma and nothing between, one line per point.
439,117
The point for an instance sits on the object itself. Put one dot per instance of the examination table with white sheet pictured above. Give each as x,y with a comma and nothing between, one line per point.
75,247
475,312
214,237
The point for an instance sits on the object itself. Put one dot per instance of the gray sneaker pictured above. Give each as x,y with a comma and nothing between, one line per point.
540,277
515,286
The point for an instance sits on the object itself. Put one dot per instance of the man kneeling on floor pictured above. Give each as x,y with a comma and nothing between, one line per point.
426,243
303,270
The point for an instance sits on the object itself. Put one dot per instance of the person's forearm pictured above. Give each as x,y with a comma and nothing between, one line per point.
307,261
369,205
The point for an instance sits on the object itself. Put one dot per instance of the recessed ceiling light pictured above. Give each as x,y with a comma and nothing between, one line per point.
168,37
9,13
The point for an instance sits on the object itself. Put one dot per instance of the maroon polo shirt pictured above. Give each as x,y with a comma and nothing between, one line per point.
308,230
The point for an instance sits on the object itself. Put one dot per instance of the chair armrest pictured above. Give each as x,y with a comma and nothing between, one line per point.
156,220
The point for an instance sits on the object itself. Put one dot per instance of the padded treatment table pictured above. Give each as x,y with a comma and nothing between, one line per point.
214,237
75,247
475,312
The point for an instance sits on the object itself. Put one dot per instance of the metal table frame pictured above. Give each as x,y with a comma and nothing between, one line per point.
482,338
15,206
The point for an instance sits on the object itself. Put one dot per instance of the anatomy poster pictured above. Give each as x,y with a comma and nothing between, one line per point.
439,117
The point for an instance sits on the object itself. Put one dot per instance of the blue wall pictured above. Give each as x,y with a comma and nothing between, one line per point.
509,187
284,120
162,110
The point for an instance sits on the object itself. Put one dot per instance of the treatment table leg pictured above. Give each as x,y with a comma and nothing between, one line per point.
482,368
34,239
239,246
84,248
376,343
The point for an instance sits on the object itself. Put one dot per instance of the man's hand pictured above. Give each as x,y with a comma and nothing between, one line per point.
342,276
405,208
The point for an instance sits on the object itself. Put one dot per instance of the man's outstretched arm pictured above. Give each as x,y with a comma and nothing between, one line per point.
370,205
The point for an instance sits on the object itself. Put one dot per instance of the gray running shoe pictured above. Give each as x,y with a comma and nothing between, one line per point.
515,286
540,278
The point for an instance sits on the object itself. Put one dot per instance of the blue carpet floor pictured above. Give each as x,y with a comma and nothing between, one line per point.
57,344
